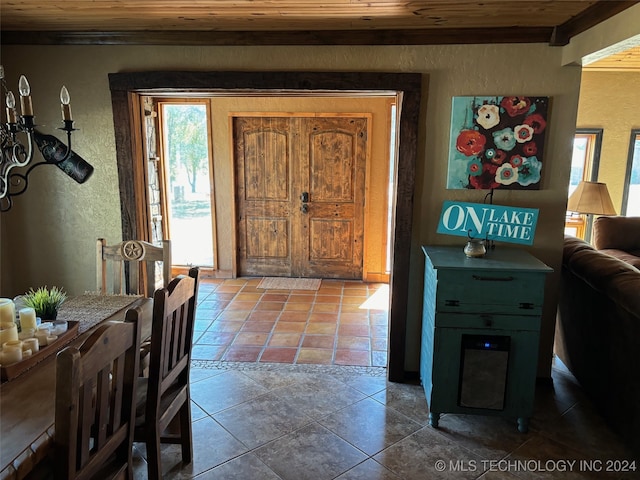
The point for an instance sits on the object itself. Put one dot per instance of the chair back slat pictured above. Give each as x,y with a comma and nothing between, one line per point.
95,401
129,267
174,309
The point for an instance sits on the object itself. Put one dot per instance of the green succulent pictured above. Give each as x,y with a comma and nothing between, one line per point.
44,301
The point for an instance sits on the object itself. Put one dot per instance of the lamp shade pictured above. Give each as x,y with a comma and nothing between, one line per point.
591,197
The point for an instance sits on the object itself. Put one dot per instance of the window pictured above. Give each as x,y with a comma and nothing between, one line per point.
586,156
584,166
631,194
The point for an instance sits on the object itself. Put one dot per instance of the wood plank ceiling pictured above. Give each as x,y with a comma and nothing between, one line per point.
301,22
625,61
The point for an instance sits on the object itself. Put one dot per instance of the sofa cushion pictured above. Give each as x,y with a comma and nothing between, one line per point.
620,233
632,258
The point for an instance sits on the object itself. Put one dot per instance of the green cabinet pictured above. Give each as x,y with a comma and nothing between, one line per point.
480,332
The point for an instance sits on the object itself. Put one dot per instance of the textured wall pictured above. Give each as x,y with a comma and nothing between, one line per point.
48,237
611,101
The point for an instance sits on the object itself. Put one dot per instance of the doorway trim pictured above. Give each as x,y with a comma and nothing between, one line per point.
125,87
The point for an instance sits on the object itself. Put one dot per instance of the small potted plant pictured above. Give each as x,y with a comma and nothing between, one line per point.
45,301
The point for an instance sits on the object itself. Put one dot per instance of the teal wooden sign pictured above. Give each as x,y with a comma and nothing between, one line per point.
488,221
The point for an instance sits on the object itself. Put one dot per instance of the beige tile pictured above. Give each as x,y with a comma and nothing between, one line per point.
262,419
244,467
370,426
311,453
428,454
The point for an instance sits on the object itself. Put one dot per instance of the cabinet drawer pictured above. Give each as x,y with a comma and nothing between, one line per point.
502,291
488,322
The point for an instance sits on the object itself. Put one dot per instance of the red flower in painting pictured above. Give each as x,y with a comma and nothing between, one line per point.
530,149
499,157
516,160
487,180
515,105
536,121
470,142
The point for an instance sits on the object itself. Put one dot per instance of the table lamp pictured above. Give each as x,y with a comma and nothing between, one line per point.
591,198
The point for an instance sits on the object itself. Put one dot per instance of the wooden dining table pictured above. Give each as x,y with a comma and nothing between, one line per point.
27,403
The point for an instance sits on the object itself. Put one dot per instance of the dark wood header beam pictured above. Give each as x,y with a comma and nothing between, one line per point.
444,36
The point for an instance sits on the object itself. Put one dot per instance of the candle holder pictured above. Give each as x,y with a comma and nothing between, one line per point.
17,141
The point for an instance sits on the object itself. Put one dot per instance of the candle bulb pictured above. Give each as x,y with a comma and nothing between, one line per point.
25,97
65,101
10,101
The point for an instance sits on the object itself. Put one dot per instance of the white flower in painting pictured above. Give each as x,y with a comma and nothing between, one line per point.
488,116
523,133
506,174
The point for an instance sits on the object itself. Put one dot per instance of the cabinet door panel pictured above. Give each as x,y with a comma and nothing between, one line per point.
521,371
488,321
488,291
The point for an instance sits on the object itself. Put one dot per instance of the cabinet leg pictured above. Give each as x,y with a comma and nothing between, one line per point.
523,424
434,418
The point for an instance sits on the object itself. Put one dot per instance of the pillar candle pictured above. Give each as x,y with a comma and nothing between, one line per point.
11,355
32,344
8,331
41,336
7,310
27,319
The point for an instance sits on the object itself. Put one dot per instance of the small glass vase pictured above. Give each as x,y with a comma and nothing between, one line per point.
475,248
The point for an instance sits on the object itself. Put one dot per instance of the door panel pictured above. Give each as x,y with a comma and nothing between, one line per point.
333,163
300,195
263,200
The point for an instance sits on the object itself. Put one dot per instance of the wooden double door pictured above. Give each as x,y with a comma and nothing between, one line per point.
300,192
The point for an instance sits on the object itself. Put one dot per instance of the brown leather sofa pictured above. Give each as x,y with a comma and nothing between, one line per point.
618,236
598,322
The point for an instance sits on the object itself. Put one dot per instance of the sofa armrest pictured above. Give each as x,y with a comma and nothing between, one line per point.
619,233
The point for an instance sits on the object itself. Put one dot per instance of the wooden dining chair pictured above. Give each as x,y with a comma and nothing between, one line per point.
164,398
95,403
128,267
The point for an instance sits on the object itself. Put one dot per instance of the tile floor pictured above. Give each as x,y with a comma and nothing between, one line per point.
269,421
271,400
342,323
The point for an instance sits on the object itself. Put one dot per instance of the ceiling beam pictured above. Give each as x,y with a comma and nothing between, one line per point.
586,19
439,36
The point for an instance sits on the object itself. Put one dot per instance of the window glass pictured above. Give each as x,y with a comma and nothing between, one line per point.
188,185
631,196
584,166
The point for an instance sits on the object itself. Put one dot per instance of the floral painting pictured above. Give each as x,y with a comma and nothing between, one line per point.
497,142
